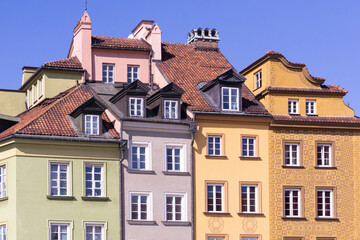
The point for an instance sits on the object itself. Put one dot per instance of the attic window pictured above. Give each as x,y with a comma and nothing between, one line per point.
136,106
258,79
170,109
230,99
92,124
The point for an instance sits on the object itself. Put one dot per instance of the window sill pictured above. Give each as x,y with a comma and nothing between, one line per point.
216,157
251,214
51,197
327,219
178,173
330,168
176,223
100,199
250,158
295,218
135,171
218,213
140,222
296,167
311,114
4,199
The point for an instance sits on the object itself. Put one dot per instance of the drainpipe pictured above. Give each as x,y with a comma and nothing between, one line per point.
150,70
121,180
193,130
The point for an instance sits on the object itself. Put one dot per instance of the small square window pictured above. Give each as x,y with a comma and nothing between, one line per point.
215,197
59,179
292,201
293,106
108,73
140,157
171,109
258,79
136,106
324,201
3,181
140,206
175,207
92,124
214,146
310,107
248,146
94,180
132,73
59,231
292,154
175,158
94,231
230,99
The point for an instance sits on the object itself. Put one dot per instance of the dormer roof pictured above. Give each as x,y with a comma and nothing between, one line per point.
135,88
227,77
120,43
90,106
172,90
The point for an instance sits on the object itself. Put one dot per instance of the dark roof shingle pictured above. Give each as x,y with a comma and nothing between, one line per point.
119,43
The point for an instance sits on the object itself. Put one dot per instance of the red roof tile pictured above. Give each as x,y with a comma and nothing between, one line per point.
316,119
66,63
50,116
187,66
119,43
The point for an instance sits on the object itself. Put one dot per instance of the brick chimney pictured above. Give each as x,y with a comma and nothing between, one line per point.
204,38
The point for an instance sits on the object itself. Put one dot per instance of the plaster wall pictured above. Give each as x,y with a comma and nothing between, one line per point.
12,102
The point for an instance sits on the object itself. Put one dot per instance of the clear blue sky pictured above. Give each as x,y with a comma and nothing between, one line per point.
323,34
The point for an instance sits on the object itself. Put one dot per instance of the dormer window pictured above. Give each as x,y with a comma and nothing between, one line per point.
108,73
136,106
132,73
258,79
171,109
310,107
293,106
92,124
230,99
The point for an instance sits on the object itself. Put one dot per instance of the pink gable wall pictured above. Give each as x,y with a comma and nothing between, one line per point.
121,59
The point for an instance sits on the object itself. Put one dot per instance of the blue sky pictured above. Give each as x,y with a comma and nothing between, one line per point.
323,34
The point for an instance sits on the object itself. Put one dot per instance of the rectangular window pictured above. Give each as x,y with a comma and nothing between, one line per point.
108,73
324,155
324,203
248,147
30,97
2,232
2,181
175,207
94,180
140,157
41,87
215,197
94,232
59,231
132,73
292,202
92,124
310,107
35,89
140,206
214,145
174,158
258,79
59,179
293,106
249,199
216,238
171,109
230,99
136,107
292,154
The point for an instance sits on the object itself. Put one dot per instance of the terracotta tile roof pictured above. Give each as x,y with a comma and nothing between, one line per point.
187,66
119,43
66,63
316,120
325,89
50,116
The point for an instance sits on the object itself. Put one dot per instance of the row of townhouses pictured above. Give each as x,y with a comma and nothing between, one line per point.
135,138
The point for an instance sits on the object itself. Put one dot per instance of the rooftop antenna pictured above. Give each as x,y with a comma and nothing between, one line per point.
85,5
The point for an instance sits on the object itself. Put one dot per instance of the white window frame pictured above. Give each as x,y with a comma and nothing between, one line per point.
213,143
41,86
105,79
291,157
291,202
93,181
322,155
93,225
93,131
171,114
247,145
216,238
183,206
3,231
248,210
182,164
137,107
293,106
3,181
308,107
149,207
258,79
36,93
323,191
230,99
59,225
58,180
213,186
132,72
147,155
249,238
